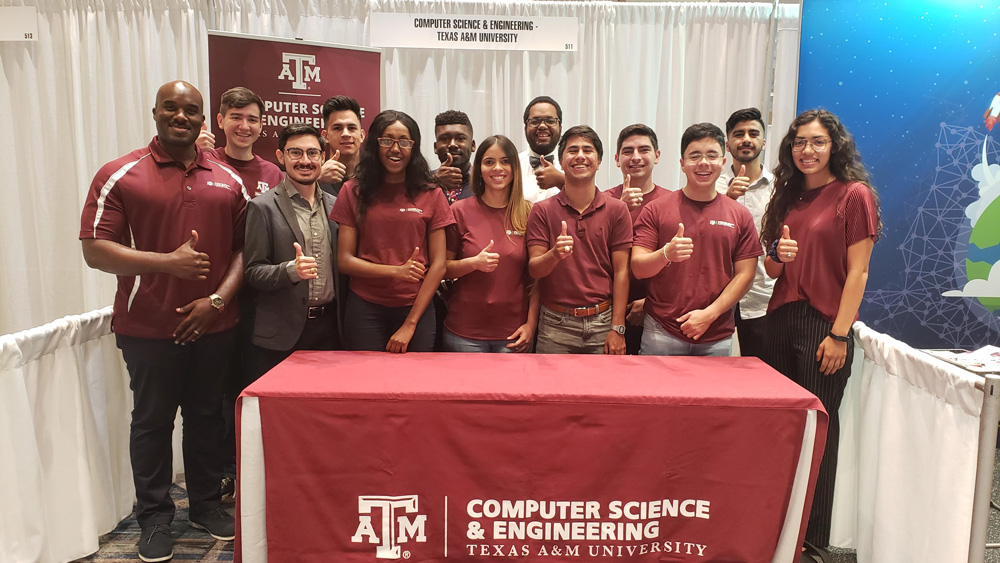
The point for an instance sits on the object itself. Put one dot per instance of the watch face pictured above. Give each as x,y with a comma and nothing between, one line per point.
217,302
620,329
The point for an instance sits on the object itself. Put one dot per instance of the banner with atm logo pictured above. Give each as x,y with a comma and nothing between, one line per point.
293,78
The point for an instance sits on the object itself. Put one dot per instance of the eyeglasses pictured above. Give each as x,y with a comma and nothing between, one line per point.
296,154
695,157
536,121
388,142
819,144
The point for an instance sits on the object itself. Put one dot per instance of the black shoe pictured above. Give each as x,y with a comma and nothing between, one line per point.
217,522
227,489
156,543
813,554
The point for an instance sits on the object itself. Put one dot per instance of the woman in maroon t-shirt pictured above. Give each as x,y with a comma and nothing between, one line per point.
491,308
819,230
391,240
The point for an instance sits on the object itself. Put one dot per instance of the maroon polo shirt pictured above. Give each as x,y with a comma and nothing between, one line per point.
722,232
824,222
637,288
392,227
258,175
487,306
147,200
586,276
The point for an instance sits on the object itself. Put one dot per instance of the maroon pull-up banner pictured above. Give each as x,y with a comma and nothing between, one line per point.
293,78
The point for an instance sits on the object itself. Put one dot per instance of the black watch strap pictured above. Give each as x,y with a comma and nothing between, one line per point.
839,338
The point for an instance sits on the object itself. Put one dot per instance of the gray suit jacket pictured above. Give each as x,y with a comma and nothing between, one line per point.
281,306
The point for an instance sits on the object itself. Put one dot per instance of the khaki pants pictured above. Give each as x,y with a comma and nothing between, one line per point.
559,333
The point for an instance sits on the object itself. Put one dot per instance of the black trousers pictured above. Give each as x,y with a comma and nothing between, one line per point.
319,334
796,331
752,334
369,326
164,376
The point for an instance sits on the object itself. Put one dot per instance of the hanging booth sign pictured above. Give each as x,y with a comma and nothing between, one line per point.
497,33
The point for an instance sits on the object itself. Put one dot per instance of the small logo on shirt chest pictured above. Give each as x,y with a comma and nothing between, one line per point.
722,223
219,185
411,210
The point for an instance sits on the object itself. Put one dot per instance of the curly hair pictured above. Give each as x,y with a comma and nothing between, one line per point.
371,174
517,207
789,181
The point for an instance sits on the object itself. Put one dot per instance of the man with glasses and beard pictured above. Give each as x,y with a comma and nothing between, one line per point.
291,257
542,173
748,182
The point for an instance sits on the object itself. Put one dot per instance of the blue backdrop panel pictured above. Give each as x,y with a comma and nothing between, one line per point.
912,81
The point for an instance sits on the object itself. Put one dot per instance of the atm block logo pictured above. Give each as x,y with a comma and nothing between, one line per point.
300,69
398,523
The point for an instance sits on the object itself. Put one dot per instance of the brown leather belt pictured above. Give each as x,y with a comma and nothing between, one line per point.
581,311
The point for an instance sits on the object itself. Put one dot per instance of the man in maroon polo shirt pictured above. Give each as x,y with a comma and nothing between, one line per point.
240,111
638,152
239,117
168,221
698,249
578,250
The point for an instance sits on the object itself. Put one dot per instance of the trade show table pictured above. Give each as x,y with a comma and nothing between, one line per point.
360,456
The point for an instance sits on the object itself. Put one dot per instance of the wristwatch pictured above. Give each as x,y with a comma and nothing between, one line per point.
217,301
620,329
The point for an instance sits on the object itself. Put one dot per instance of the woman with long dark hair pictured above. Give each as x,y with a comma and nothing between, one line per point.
491,308
391,240
819,229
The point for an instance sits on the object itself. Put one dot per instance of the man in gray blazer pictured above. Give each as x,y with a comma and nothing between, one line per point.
290,256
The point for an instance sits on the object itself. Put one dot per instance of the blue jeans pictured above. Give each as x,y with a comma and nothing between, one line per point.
456,343
656,341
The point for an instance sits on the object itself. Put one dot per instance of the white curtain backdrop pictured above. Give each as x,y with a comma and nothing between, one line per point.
81,95
909,441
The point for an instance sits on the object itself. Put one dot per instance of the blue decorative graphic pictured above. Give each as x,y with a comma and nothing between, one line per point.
911,80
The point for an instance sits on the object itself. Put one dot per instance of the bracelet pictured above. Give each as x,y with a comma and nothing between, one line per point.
665,255
772,251
839,338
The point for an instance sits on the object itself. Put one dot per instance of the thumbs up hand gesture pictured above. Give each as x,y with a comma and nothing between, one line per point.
487,261
631,196
788,248
680,247
333,171
205,140
447,176
548,176
305,266
412,270
740,183
187,263
564,243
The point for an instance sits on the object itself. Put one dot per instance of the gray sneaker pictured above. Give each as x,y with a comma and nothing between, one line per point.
217,522
156,543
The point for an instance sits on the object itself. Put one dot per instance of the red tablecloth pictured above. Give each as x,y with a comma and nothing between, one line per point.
477,457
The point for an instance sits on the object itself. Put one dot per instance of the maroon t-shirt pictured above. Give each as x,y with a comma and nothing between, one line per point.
586,276
824,222
392,227
722,232
258,175
147,200
487,306
637,288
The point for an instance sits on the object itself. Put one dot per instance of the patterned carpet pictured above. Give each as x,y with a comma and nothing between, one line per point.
189,544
